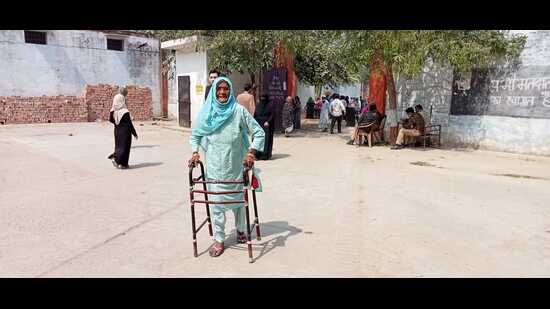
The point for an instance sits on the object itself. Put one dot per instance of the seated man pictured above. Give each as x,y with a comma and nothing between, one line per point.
413,127
420,110
371,117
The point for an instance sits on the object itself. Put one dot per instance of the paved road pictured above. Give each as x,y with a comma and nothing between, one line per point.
328,209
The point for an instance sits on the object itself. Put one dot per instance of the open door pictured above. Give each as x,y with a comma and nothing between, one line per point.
184,101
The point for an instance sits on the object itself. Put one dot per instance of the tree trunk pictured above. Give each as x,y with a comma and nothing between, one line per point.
377,85
392,94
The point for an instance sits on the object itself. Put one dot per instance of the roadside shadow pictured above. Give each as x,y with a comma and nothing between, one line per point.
267,229
277,156
146,164
145,146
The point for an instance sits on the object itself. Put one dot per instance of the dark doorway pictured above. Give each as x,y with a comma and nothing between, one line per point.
184,101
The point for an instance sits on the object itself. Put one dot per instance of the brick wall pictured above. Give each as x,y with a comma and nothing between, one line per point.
42,109
94,103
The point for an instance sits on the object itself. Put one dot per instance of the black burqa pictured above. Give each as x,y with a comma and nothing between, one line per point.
123,138
263,114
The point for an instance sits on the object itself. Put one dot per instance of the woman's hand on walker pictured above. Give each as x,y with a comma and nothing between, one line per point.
249,160
196,157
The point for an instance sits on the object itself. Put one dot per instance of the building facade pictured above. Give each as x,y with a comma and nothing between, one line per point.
49,76
503,108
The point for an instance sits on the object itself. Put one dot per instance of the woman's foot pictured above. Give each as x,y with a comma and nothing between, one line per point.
216,249
241,237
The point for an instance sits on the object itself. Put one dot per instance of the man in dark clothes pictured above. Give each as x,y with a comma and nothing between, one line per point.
212,75
414,127
124,129
372,118
264,116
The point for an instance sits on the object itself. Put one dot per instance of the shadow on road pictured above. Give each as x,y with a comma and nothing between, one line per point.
279,156
146,164
268,229
145,146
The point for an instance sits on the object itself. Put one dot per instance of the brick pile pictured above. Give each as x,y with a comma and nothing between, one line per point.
94,103
42,109
99,100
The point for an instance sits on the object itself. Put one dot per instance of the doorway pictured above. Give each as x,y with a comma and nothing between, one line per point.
184,101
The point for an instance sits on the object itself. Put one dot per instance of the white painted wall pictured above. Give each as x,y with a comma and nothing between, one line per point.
353,90
194,65
71,60
239,80
433,88
304,91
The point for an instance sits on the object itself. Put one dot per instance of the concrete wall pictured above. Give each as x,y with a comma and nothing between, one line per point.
73,59
239,80
433,89
304,92
194,65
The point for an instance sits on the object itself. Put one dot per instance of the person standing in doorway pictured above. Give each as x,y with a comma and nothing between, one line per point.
337,110
246,99
212,75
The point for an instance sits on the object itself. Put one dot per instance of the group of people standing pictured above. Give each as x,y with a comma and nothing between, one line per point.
333,110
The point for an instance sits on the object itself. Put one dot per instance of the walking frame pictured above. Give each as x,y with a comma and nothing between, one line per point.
246,181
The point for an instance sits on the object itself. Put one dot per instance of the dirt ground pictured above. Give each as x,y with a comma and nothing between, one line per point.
328,209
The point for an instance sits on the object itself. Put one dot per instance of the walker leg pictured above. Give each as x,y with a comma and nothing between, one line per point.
256,220
195,253
247,215
208,213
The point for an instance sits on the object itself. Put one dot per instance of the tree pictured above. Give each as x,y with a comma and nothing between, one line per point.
319,58
407,51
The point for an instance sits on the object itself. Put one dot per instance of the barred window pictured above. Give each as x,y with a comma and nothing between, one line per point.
114,44
35,37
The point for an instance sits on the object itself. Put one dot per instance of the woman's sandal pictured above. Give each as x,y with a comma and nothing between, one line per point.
216,249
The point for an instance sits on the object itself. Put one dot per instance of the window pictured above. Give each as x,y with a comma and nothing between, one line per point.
35,37
114,44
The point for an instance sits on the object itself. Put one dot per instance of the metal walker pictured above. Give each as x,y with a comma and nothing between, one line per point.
246,181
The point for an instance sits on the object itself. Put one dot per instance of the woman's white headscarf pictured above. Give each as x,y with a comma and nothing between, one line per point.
119,107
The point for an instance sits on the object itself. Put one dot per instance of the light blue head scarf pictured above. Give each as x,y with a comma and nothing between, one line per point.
214,114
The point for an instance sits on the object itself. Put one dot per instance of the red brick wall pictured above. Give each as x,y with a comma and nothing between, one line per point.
99,100
94,103
42,109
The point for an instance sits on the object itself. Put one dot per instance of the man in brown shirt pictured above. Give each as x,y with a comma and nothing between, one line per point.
414,127
246,99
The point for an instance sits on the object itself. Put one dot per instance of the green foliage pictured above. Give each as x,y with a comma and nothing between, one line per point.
322,58
407,51
341,57
244,51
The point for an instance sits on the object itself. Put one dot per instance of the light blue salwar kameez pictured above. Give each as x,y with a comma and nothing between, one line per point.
223,132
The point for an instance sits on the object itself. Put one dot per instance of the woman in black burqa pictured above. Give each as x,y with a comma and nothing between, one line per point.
124,129
264,116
